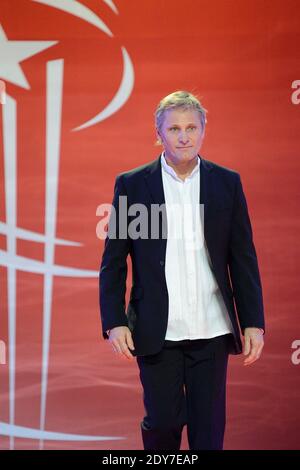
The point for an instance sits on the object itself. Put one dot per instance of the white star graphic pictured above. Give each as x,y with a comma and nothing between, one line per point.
13,52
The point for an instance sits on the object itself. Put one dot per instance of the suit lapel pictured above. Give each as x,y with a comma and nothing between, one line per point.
207,197
153,178
154,183
206,186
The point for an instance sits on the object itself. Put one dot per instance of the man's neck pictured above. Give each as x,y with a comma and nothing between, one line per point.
182,169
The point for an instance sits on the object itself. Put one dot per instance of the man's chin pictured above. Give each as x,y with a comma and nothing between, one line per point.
187,155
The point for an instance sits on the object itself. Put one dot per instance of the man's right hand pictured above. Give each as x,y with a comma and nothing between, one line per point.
121,340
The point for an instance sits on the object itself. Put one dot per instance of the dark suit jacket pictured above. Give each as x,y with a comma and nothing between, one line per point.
228,237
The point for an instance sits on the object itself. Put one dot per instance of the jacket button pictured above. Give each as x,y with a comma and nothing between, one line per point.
161,262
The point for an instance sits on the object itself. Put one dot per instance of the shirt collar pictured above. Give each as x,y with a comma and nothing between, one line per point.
168,169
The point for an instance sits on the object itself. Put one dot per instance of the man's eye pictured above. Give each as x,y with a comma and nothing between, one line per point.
173,129
192,128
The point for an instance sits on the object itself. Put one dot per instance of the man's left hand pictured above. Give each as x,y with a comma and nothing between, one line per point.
253,345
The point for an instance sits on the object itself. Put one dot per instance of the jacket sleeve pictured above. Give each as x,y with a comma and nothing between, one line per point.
243,265
113,269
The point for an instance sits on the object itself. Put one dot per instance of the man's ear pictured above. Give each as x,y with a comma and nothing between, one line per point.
202,134
158,137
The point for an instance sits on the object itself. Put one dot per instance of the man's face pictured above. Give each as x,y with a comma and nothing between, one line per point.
181,134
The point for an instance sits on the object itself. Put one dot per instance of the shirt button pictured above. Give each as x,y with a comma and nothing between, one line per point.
161,262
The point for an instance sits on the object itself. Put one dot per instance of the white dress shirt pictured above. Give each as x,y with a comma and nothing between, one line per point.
196,306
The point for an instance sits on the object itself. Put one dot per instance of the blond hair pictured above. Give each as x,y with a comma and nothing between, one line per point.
182,100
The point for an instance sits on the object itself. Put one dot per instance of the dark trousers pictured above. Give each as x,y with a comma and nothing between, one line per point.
185,383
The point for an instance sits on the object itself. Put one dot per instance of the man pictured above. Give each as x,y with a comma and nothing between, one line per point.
181,323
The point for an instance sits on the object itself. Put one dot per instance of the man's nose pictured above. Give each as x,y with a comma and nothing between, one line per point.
183,137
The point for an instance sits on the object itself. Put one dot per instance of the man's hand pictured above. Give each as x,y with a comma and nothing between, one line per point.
121,339
253,345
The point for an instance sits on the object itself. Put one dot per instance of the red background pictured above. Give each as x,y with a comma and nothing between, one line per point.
241,57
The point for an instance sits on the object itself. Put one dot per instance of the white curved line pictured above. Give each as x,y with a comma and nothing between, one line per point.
111,5
30,265
29,235
75,8
120,97
31,433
